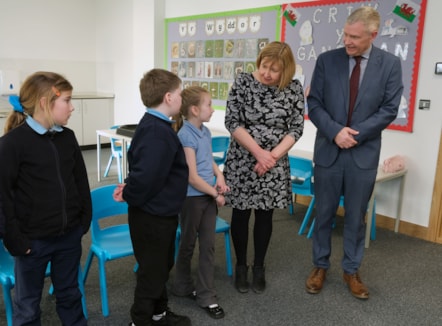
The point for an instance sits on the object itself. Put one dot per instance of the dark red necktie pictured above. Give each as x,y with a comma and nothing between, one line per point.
354,86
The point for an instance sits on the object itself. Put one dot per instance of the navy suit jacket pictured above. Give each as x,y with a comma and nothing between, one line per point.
376,105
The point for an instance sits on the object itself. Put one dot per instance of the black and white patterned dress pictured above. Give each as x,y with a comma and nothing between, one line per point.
268,114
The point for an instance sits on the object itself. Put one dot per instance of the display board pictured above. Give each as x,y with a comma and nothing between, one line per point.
317,26
210,50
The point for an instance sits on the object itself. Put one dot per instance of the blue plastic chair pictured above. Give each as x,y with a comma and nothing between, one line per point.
7,280
107,243
301,172
116,152
220,145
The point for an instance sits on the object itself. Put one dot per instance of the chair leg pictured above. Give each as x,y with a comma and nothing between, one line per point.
87,266
307,216
228,253
312,227
7,288
292,205
48,273
177,241
109,163
291,210
103,286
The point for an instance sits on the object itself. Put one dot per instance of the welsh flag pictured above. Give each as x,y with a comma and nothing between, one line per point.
406,9
292,15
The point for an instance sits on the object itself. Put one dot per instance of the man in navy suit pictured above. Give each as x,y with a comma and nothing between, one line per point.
347,147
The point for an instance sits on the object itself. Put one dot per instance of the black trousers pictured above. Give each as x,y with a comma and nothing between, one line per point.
153,241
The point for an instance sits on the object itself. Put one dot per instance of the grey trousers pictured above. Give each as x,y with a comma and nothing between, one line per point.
197,221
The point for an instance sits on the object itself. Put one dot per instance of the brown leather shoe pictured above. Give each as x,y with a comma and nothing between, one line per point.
315,280
357,288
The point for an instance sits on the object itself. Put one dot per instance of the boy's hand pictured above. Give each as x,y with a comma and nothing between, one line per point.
118,192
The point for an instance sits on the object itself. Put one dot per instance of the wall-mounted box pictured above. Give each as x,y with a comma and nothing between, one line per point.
9,82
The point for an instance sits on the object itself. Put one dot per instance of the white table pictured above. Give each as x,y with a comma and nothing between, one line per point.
125,140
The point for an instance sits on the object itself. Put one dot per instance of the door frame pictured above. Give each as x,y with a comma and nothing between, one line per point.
435,225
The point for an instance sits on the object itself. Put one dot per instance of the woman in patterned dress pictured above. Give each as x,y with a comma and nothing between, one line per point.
265,117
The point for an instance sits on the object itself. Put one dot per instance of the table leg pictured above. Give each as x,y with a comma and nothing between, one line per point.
399,205
124,158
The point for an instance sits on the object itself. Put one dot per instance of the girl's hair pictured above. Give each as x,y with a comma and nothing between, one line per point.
41,84
279,52
155,84
366,15
190,96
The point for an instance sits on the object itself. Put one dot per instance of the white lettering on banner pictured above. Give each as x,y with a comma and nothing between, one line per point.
255,23
302,55
349,10
340,34
243,24
191,27
183,29
220,26
305,53
332,15
399,50
315,19
210,27
231,25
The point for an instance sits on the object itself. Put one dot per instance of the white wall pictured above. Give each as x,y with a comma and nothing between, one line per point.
50,35
107,45
126,38
99,45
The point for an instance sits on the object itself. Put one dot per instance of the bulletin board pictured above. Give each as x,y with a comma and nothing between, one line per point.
317,26
210,50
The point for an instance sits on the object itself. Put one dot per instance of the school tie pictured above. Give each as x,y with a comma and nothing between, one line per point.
354,86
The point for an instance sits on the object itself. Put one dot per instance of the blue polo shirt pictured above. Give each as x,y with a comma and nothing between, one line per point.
201,141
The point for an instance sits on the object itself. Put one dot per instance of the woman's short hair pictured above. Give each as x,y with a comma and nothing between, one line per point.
281,53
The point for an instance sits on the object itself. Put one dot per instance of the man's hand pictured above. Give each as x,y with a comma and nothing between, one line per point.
345,138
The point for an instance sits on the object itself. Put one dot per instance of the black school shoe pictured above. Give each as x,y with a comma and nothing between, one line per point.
172,319
216,312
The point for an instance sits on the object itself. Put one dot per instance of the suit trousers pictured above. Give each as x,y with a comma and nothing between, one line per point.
197,221
153,241
64,253
343,177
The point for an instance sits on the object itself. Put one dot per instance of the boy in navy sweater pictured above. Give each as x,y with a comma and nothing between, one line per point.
155,190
